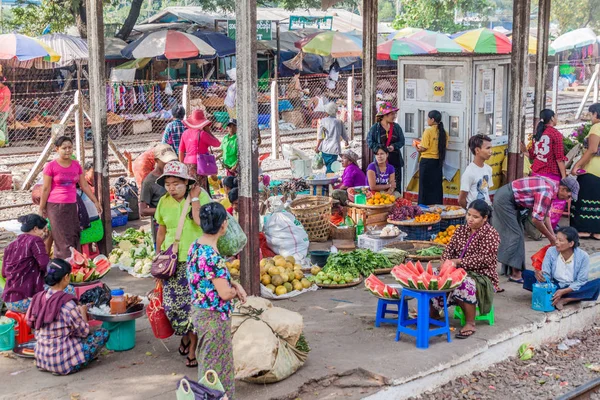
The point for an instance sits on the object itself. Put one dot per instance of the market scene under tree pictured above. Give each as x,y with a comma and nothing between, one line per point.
246,200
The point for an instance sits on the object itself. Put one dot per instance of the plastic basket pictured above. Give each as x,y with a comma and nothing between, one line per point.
120,220
122,335
421,232
314,213
7,336
445,223
541,298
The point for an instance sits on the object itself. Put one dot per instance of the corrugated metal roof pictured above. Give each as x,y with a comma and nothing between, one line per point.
343,20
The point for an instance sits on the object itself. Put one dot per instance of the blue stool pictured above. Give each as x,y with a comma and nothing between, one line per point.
423,321
382,311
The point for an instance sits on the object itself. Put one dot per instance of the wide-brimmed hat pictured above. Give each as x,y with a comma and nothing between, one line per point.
572,184
386,108
164,153
197,120
350,155
176,169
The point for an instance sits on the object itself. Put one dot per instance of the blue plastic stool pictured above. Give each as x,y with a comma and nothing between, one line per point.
382,311
423,321
489,317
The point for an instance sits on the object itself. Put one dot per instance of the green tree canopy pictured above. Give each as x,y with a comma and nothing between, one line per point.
571,15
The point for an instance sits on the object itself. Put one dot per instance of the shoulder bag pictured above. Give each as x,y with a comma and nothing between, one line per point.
165,263
206,164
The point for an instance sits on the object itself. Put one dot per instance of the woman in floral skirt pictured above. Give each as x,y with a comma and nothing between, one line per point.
212,294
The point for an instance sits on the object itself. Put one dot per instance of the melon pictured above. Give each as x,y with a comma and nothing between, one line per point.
429,268
88,275
402,279
77,258
419,267
445,283
433,283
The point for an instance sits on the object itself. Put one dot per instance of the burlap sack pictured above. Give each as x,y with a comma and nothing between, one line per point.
287,324
254,349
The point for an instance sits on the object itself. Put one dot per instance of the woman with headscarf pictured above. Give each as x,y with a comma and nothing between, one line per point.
387,133
330,132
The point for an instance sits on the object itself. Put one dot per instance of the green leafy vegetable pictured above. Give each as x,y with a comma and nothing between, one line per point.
302,344
358,262
432,251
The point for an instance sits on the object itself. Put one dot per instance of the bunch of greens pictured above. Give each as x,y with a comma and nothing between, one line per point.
358,262
302,344
432,251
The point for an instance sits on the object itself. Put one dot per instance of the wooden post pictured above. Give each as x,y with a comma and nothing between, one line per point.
79,128
518,87
274,120
369,75
350,106
541,64
97,83
185,99
247,118
555,87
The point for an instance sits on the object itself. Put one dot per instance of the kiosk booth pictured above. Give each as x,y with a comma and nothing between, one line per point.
471,92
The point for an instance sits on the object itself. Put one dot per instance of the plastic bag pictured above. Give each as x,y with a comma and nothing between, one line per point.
168,89
234,239
98,296
291,153
189,389
538,258
285,235
267,294
317,162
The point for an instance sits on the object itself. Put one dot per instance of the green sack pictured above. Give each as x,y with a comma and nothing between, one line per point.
234,239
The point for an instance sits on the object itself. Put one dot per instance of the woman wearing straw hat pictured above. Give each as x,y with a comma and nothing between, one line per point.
331,131
197,139
176,293
387,133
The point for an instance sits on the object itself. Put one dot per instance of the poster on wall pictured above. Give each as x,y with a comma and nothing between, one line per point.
410,89
488,80
457,89
439,89
488,107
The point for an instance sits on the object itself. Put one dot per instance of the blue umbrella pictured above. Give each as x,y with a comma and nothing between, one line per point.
224,45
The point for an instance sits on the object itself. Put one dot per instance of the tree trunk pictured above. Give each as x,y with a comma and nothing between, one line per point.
134,13
81,20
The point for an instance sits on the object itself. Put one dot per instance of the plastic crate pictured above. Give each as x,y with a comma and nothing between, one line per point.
119,220
374,244
264,119
424,232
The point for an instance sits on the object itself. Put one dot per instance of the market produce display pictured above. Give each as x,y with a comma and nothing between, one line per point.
356,263
234,268
85,270
389,231
395,256
282,275
414,276
380,289
404,212
428,217
334,279
401,201
445,236
453,211
294,185
433,251
380,198
134,251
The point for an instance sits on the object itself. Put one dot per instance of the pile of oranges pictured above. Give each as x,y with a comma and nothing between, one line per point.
379,199
428,217
445,236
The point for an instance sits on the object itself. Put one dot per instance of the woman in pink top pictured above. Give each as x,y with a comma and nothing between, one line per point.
195,140
59,197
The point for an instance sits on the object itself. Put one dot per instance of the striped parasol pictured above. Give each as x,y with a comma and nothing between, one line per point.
20,50
72,50
441,42
331,43
484,40
392,49
169,44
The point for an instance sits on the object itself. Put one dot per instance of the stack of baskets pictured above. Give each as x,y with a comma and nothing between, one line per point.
314,213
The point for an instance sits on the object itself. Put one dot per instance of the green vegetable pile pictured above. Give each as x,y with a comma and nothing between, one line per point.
432,251
396,256
302,344
358,262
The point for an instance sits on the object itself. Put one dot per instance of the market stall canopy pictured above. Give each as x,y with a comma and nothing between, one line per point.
113,47
574,39
484,41
441,42
20,50
334,44
533,47
392,49
168,44
224,45
72,50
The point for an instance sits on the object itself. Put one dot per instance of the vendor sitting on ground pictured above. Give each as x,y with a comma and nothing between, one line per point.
25,261
351,177
381,176
64,341
474,248
567,266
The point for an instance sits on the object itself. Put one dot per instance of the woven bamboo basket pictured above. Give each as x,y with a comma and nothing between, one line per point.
314,213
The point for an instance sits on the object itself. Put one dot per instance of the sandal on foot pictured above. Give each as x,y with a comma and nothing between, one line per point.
465,334
513,280
186,348
191,362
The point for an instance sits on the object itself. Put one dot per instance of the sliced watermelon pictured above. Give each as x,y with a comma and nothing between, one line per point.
445,283
392,293
433,283
78,258
88,275
419,267
429,268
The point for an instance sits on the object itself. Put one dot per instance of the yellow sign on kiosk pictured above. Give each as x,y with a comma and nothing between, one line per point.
439,88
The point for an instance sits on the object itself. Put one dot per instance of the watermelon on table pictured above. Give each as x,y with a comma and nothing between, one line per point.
419,267
433,283
78,258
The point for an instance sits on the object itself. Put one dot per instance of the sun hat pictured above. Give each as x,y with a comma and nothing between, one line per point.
164,153
571,183
331,109
386,108
197,120
350,155
176,169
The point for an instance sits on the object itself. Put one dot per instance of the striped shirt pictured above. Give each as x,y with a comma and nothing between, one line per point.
535,193
59,347
25,261
172,135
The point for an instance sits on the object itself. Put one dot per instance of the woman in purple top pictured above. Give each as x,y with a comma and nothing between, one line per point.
381,176
352,175
25,261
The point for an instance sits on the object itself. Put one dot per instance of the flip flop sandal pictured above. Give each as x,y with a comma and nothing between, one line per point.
515,280
465,334
191,362
500,290
186,348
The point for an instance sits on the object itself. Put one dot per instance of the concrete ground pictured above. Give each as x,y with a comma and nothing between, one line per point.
349,359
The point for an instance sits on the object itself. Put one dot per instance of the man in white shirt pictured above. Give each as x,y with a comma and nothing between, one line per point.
477,178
